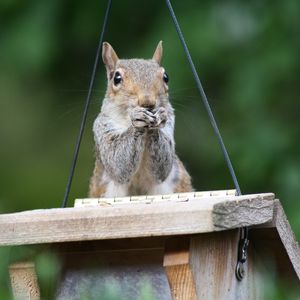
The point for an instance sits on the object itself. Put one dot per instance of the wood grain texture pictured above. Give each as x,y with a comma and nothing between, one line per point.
271,259
24,281
181,282
287,237
176,251
124,220
213,258
176,264
228,215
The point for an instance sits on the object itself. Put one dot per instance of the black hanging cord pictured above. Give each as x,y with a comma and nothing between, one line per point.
243,242
204,99
87,104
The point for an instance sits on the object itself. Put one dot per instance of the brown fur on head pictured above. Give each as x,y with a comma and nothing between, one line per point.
138,82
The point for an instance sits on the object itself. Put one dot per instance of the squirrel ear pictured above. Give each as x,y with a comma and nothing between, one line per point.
109,57
158,53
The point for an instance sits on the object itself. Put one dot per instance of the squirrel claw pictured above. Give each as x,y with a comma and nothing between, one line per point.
142,118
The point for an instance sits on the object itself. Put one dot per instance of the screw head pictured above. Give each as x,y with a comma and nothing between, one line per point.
240,271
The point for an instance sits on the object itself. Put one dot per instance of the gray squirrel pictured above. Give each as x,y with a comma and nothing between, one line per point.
134,132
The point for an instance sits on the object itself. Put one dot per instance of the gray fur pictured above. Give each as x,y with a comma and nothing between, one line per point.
140,68
162,154
120,153
135,146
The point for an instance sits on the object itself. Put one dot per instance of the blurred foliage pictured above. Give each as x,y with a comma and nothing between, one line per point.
48,270
247,55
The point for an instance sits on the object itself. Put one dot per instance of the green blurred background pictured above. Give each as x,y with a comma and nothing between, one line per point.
246,53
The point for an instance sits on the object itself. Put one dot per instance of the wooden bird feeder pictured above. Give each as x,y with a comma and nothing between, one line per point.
185,245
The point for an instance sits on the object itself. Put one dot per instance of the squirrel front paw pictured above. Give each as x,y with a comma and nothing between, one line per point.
142,117
161,117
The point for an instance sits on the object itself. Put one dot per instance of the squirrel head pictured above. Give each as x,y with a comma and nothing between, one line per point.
136,82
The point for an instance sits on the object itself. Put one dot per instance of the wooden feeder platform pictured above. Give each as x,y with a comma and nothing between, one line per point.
184,245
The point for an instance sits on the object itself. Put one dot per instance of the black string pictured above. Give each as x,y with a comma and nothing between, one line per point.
199,86
244,231
204,99
86,107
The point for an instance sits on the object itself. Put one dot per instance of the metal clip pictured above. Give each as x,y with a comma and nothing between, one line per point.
242,254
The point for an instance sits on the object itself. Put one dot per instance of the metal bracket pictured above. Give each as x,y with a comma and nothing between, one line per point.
242,253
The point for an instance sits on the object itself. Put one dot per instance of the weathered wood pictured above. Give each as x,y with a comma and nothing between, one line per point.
270,256
129,220
286,235
228,215
176,264
136,234
181,282
24,281
213,258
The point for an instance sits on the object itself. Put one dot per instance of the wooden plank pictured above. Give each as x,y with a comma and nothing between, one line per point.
110,245
24,281
127,220
228,215
176,251
181,282
271,257
287,237
176,264
213,258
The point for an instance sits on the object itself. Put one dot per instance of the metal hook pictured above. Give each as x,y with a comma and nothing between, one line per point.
242,253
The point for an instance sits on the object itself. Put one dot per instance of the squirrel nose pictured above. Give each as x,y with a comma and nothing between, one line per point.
148,105
147,102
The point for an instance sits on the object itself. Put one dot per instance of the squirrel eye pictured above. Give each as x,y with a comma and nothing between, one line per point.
166,78
117,78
